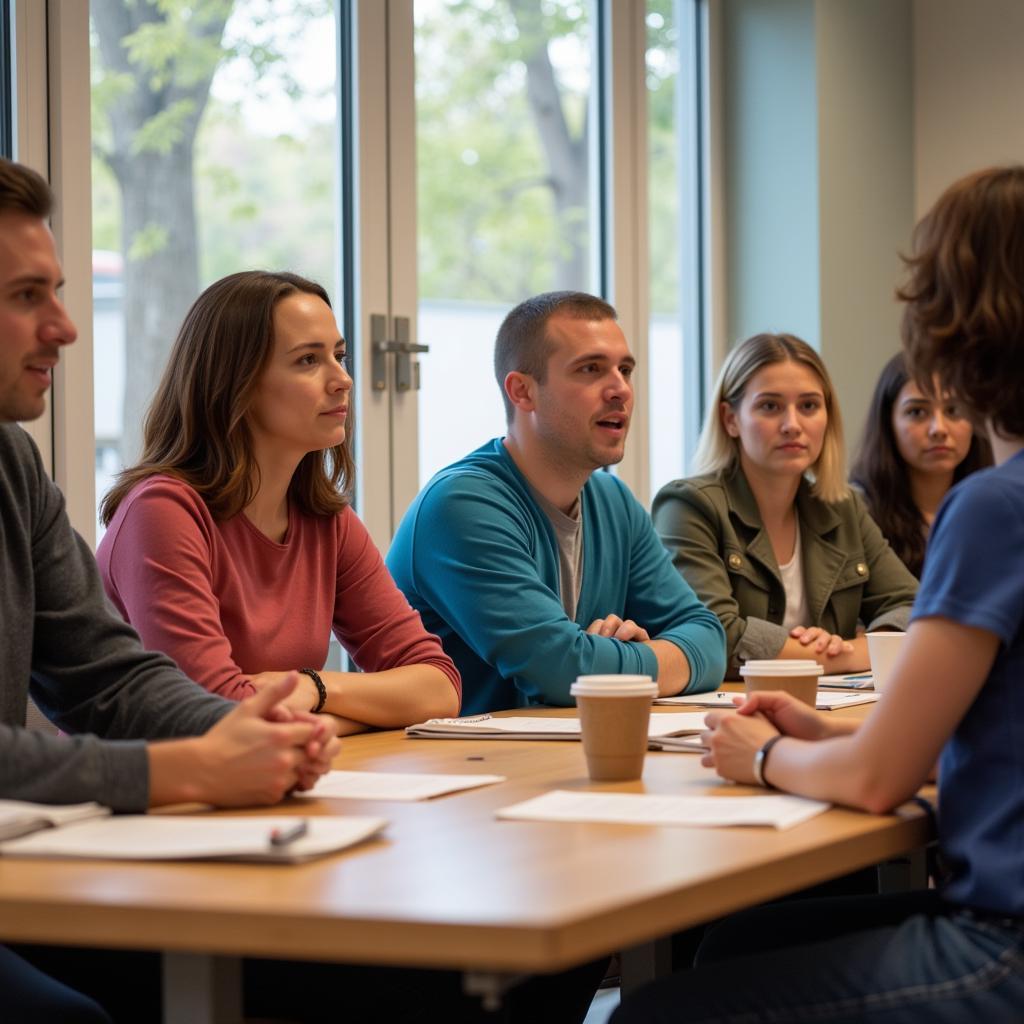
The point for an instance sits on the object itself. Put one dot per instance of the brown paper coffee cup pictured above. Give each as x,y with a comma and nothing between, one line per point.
615,713
797,677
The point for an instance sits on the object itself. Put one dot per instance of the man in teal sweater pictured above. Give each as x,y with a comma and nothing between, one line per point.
533,568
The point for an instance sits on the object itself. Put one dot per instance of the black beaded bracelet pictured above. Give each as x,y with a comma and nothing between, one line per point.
320,688
761,759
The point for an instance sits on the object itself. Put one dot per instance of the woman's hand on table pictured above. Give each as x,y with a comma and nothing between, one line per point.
788,715
821,641
303,698
732,740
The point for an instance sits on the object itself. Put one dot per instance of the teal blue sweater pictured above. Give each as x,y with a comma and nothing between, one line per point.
477,557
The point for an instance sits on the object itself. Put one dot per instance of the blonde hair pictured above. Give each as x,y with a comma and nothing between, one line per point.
717,452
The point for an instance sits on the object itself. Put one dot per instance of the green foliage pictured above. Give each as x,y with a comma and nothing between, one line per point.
487,227
166,129
182,48
487,221
264,202
147,242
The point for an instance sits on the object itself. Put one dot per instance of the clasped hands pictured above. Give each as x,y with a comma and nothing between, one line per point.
821,641
264,749
733,738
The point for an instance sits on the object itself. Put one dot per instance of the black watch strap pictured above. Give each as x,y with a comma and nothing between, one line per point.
320,688
761,760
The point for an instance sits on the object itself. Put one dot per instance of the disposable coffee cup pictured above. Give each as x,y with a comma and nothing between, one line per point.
797,676
883,650
615,712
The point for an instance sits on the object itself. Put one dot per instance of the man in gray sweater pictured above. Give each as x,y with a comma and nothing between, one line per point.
86,670
165,740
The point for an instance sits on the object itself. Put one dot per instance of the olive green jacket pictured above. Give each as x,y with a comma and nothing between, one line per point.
712,527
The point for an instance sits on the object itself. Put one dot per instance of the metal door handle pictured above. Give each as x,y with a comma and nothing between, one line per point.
407,370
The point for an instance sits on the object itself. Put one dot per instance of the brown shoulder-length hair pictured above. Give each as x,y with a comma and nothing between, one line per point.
881,473
197,427
964,316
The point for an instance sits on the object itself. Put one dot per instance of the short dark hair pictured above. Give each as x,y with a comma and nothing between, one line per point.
23,191
197,427
879,470
522,344
964,316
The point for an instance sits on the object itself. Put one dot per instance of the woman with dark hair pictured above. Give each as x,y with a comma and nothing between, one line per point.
953,953
916,444
231,546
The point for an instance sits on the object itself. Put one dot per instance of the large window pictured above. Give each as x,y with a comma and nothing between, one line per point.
506,179
491,153
674,237
214,140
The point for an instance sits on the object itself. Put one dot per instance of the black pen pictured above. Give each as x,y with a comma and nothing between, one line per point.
287,836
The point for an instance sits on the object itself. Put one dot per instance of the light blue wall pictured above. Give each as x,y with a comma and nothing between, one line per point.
771,145
818,128
866,188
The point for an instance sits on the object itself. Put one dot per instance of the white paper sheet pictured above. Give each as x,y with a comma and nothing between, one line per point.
193,837
832,701
19,817
850,681
395,785
776,811
678,744
548,728
826,701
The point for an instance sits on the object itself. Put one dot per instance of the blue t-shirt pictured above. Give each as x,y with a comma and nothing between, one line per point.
974,575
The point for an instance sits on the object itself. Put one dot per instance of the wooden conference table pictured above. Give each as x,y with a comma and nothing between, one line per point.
447,885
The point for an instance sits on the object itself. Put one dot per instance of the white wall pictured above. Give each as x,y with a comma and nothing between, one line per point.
968,89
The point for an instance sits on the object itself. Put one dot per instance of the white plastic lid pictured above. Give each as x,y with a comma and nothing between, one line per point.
779,667
614,686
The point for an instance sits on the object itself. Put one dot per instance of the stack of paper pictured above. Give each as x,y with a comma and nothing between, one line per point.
678,744
652,809
395,785
196,837
724,699
524,728
19,817
850,681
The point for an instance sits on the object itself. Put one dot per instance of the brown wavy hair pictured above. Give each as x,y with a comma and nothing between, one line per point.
881,473
197,427
964,316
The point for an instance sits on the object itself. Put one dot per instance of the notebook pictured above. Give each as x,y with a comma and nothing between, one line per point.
276,839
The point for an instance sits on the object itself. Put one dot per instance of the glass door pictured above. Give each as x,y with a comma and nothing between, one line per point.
215,141
506,186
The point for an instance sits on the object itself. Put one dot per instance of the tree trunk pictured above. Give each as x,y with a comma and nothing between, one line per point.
158,218
566,157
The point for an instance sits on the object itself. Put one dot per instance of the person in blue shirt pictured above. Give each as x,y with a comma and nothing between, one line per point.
956,952
533,568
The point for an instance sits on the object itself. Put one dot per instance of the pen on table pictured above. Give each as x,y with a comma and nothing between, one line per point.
287,836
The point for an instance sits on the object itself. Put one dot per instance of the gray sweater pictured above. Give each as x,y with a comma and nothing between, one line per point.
85,668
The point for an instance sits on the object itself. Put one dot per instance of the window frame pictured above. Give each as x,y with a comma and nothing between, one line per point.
51,132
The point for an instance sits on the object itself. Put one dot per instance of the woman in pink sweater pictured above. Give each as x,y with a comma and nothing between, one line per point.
232,545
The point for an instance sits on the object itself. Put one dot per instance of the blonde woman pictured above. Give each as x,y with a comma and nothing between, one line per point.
769,534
